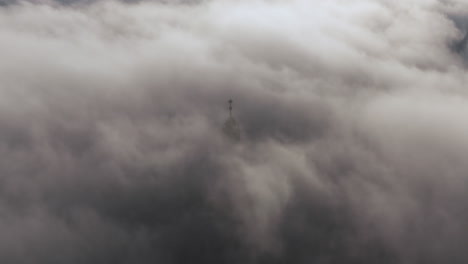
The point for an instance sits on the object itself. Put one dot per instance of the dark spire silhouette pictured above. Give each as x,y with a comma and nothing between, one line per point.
231,128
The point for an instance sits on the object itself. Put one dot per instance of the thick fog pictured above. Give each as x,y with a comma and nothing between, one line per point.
354,143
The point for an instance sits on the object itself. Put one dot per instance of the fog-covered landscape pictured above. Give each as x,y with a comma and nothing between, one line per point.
352,119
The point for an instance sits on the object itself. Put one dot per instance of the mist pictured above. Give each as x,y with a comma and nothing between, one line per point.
353,116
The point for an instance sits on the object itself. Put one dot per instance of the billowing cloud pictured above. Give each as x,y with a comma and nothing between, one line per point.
353,116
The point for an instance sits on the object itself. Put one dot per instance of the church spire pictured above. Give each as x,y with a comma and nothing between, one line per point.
230,107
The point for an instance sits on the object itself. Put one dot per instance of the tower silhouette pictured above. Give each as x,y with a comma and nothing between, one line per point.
231,128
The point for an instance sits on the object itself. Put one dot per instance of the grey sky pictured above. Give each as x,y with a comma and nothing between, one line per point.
354,117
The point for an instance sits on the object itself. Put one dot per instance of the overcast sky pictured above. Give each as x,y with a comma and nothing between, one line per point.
354,118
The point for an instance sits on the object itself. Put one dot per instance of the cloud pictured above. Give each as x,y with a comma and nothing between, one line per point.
353,117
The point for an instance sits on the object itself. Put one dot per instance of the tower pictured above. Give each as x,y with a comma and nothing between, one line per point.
231,128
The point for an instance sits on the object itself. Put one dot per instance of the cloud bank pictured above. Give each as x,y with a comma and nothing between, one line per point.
353,115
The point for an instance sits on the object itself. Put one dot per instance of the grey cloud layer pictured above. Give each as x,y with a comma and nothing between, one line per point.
354,118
